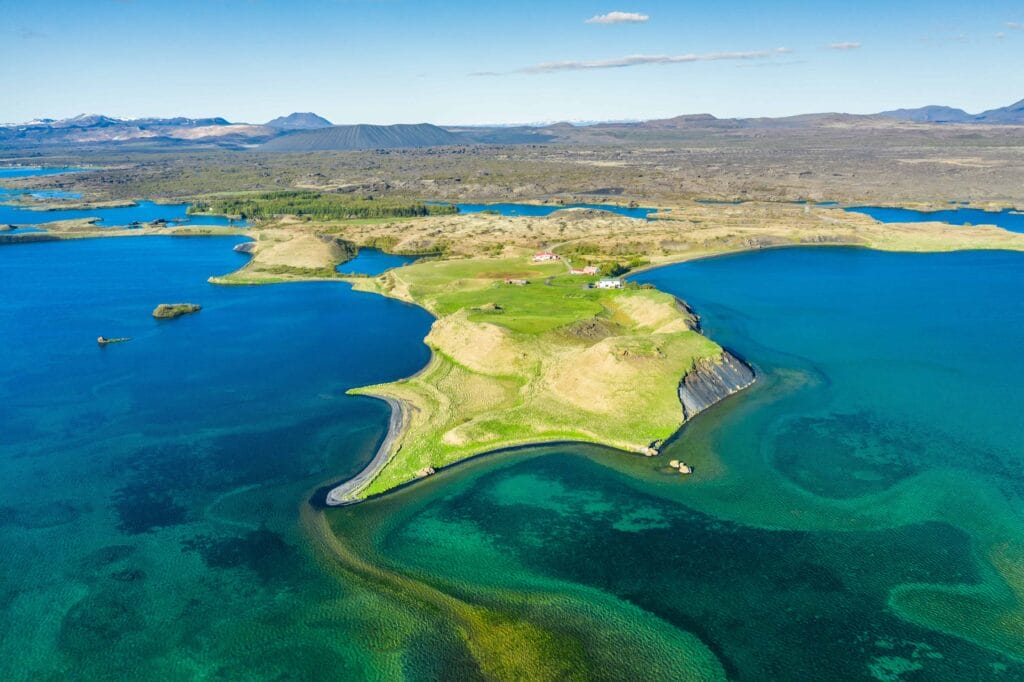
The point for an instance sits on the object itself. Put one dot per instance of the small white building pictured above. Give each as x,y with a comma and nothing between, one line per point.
609,284
544,256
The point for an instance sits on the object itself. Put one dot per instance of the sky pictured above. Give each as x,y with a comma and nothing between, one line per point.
492,61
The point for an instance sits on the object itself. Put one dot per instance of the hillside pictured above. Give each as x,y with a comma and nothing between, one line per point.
341,138
299,121
1009,115
929,114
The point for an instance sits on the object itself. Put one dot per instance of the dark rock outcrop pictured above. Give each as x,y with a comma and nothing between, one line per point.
712,380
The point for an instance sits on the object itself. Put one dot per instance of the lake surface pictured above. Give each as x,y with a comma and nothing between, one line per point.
31,171
858,514
142,212
150,519
372,262
540,211
1007,219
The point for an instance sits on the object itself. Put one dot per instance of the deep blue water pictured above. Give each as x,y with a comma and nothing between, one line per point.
152,489
372,262
1008,219
537,211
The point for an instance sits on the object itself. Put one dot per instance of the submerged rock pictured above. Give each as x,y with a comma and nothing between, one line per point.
711,380
169,311
104,341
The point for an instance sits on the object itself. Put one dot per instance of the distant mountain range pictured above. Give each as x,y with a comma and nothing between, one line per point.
1011,115
89,130
304,132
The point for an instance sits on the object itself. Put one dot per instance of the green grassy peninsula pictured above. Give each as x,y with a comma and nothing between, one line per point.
524,352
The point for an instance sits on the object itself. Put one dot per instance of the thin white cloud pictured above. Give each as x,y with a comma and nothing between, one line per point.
1015,25
618,18
643,59
1000,35
771,64
844,46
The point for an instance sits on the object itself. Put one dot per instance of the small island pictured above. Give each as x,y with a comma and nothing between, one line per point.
169,311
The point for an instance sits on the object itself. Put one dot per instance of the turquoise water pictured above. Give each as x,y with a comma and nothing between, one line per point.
1008,219
858,514
372,262
30,171
539,211
150,519
141,212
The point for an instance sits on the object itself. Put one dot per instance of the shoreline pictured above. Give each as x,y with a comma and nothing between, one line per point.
334,498
710,381
344,493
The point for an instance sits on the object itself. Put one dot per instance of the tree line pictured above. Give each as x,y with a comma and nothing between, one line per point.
318,206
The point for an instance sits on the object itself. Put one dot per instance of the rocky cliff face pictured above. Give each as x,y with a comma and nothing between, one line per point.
712,380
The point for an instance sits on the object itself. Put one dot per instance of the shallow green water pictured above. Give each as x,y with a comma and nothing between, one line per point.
856,515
